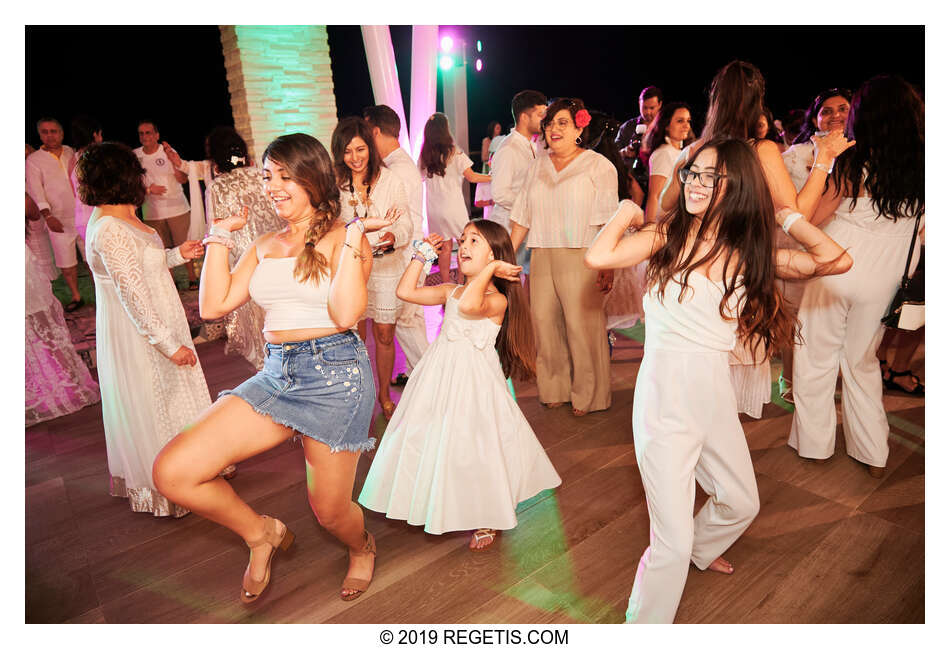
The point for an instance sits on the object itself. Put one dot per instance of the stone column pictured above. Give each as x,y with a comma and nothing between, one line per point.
280,82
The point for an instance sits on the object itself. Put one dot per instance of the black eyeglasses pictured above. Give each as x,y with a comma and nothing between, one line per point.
706,178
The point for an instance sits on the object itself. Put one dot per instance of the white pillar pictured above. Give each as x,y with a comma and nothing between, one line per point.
382,72
425,52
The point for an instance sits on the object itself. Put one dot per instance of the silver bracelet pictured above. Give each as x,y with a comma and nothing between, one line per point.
219,231
822,166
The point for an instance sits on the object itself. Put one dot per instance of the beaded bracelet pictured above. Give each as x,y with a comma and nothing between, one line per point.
427,253
218,231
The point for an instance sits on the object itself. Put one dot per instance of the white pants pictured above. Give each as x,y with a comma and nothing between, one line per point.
411,334
841,330
686,429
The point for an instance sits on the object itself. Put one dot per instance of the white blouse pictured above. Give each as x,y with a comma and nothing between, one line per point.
565,209
663,160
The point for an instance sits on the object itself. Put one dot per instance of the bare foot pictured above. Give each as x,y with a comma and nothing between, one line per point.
361,567
552,406
579,413
482,538
721,565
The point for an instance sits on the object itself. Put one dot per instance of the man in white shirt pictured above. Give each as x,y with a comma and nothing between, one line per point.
166,209
411,325
47,182
511,162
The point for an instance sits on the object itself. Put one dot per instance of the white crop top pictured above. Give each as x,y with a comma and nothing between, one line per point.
287,303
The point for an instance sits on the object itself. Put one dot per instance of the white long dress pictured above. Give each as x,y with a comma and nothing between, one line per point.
57,381
445,202
685,429
382,305
458,453
140,322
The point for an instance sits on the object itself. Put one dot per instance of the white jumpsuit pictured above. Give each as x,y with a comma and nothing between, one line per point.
685,428
841,329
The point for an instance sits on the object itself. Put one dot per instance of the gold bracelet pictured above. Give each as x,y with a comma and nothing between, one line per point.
356,254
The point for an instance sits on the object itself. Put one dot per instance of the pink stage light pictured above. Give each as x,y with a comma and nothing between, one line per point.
478,64
446,43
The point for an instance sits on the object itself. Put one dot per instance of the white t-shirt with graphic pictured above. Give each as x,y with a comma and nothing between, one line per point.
160,171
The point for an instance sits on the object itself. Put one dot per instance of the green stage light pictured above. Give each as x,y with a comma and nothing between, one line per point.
478,45
446,62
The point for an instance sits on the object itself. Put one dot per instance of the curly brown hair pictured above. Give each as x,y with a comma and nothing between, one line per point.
573,106
437,145
110,174
308,164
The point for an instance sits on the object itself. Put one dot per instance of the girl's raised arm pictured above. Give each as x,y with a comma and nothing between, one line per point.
610,249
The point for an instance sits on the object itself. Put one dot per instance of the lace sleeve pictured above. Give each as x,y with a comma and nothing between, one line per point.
123,262
173,257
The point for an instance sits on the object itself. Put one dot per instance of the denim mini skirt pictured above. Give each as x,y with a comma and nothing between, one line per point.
322,388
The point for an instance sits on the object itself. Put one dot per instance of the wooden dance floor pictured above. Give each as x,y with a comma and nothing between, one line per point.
831,544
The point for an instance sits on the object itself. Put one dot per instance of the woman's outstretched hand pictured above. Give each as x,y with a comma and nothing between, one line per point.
191,249
374,223
233,222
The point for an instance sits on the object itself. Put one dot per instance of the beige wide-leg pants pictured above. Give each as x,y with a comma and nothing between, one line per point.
570,326
841,330
685,429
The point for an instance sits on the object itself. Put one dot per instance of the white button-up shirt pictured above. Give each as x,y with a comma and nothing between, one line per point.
47,182
565,209
509,168
402,166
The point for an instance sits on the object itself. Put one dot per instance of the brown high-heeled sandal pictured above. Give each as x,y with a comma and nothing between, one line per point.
251,588
359,586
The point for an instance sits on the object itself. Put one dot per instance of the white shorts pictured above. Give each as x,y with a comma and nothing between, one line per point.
64,244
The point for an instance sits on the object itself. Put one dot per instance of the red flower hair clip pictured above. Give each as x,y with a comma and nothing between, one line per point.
582,118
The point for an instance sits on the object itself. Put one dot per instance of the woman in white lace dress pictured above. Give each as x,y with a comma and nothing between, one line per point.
150,377
237,184
57,381
367,188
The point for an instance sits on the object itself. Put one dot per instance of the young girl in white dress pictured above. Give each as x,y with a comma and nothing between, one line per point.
458,453
711,280
443,167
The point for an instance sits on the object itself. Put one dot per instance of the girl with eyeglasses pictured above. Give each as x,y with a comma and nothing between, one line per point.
710,282
736,100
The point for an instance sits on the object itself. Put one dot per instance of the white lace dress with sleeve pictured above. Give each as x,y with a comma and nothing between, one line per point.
140,323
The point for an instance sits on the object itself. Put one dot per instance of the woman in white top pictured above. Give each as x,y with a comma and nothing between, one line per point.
367,188
494,130
668,134
444,166
874,199
151,381
711,279
310,278
566,197
736,99
828,112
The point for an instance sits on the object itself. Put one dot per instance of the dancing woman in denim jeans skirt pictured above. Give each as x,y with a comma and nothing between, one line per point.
310,279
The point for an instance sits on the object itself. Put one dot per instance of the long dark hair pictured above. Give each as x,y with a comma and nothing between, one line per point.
771,131
603,130
811,115
656,134
437,145
887,124
347,129
743,219
515,341
491,128
736,99
308,164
